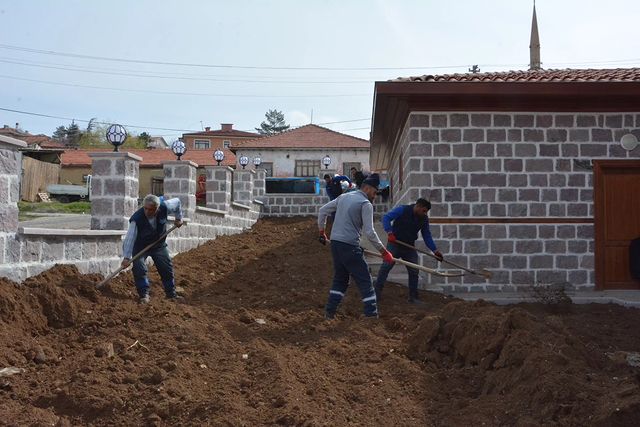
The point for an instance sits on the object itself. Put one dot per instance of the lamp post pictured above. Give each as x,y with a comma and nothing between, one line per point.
326,161
178,148
218,155
244,161
257,161
116,135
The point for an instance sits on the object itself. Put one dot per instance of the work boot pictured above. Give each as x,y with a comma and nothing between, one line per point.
176,298
145,299
329,316
414,299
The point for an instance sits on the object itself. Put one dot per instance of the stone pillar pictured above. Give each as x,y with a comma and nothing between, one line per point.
259,184
180,181
114,189
219,179
10,173
243,186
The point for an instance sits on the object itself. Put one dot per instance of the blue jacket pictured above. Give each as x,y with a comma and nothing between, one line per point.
333,187
406,226
146,233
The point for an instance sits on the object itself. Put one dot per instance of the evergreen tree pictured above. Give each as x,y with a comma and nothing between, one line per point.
145,138
73,135
60,133
274,124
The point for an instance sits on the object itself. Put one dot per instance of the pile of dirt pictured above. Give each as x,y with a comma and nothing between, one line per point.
250,347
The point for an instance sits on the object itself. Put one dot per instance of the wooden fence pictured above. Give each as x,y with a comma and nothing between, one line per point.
37,175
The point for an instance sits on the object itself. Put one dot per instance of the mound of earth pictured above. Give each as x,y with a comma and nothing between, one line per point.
250,347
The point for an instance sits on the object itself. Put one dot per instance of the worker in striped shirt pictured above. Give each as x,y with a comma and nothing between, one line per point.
146,226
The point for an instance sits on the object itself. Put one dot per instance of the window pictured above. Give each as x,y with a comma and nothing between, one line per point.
346,168
226,144
307,168
268,168
201,144
157,185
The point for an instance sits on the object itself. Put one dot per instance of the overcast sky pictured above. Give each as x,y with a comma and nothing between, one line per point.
448,36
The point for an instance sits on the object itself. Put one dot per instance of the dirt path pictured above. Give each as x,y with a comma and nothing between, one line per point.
250,347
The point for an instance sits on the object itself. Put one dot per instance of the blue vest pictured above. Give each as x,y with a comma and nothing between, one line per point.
146,233
407,225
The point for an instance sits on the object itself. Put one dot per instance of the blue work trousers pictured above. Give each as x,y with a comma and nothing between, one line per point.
162,261
403,253
348,260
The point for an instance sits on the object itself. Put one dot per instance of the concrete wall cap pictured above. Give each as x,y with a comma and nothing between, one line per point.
240,206
180,162
230,169
258,202
210,211
59,232
12,141
115,155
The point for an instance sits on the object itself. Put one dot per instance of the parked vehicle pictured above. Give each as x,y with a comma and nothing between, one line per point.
70,193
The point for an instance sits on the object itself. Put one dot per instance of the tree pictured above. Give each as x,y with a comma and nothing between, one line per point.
145,138
60,133
73,135
274,124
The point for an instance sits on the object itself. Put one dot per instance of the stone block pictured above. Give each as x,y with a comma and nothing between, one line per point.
514,262
115,223
481,120
547,231
517,180
504,150
585,232
471,195
419,120
512,165
514,135
12,250
507,195
414,135
579,135
593,150
538,180
451,135
566,231
5,198
541,262
31,249
567,262
529,195
518,209
488,195
479,210
439,120
565,120
544,120
52,249
528,246
551,276
462,180
549,150
555,246
473,165
485,150
114,187
453,195
537,209
578,277
557,135
442,150
470,231
460,209
502,246
449,165
102,167
628,121
526,150
496,135
586,121
524,231
523,120
495,231
488,180
459,120
429,135
462,150
601,135
501,120
569,194
533,135
577,246
8,218
557,209
569,150
476,246
420,149
614,121
473,135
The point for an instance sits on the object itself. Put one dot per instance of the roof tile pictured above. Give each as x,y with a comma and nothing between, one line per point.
566,75
308,136
150,158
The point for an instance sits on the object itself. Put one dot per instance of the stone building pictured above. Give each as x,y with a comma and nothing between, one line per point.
534,174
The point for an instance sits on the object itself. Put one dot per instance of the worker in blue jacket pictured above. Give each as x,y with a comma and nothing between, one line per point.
333,186
403,224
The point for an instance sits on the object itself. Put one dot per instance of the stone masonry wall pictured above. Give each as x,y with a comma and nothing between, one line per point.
305,204
499,167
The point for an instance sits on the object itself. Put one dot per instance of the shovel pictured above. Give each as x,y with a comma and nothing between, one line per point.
416,266
136,256
485,273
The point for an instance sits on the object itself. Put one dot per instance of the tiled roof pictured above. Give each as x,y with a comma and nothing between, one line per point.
567,75
150,158
225,134
43,141
308,136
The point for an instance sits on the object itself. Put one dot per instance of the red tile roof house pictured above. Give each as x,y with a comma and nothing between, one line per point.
534,175
299,152
76,165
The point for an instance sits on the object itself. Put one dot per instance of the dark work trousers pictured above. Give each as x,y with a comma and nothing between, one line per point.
162,261
403,253
348,260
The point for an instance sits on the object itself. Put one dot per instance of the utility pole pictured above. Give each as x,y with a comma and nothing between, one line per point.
312,116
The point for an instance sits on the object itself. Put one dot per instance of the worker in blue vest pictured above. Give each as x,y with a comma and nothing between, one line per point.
146,226
403,224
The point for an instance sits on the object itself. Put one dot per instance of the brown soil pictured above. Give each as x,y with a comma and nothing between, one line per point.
250,347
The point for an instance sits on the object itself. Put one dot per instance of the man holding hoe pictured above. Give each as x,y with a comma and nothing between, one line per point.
146,226
354,215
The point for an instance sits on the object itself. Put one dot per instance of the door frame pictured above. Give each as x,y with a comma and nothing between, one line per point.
600,167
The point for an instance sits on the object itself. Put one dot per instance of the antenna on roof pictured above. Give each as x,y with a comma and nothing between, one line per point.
474,69
311,116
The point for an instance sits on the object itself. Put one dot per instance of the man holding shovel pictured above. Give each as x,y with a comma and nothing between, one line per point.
403,224
147,225
354,215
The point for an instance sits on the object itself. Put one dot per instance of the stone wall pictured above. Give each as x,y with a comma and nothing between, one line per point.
25,252
305,204
517,187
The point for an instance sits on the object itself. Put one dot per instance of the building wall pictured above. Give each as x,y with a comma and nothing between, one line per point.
216,141
284,161
485,171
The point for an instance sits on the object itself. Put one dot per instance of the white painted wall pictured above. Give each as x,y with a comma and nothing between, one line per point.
284,161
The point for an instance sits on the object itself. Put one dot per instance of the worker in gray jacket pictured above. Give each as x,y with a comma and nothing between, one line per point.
354,215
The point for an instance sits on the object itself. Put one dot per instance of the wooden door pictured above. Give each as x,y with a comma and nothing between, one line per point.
617,221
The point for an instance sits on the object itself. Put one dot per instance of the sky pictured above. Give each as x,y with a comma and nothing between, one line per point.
116,60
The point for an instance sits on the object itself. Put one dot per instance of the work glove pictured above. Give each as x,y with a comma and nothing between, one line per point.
391,238
438,255
178,223
322,238
125,262
387,256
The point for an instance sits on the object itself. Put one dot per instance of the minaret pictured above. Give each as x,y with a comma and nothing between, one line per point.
534,44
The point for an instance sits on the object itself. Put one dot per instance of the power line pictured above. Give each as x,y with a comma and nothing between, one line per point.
158,92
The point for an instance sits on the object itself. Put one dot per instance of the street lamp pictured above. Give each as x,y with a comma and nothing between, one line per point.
116,135
257,161
326,161
244,161
178,148
219,156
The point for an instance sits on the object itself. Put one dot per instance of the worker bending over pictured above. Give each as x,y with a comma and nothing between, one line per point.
146,226
354,215
402,224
